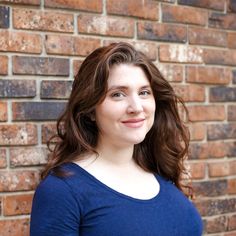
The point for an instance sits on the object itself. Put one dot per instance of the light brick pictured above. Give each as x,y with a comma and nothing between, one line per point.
18,134
106,25
70,45
218,169
3,111
171,72
197,170
76,66
180,53
20,42
208,75
41,20
223,21
17,204
3,160
3,65
216,5
197,131
138,8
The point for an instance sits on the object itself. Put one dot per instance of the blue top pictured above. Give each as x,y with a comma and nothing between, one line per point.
81,205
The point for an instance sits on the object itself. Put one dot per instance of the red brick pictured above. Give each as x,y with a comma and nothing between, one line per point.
190,93
208,75
197,131
232,186
171,72
20,42
197,170
162,32
17,204
22,2
3,65
219,57
232,233
206,113
11,181
216,224
216,5
180,53
18,134
3,111
211,37
3,159
70,45
219,169
231,6
14,227
222,21
28,156
232,167
85,5
40,20
232,222
106,25
48,130
232,113
40,66
76,66
231,39
139,8
186,15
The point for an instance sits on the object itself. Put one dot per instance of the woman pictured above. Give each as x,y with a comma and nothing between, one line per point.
117,164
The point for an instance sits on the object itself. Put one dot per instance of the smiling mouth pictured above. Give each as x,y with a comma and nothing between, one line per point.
133,123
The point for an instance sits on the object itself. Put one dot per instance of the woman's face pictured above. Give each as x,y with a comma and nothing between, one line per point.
127,113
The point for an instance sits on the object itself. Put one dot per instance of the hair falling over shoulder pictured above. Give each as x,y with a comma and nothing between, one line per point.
165,147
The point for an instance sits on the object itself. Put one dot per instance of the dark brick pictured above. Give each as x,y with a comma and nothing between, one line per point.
211,188
231,150
162,32
55,89
231,6
232,222
216,5
216,224
4,17
221,131
48,130
17,88
37,110
222,94
216,207
234,77
40,66
232,113
22,2
223,21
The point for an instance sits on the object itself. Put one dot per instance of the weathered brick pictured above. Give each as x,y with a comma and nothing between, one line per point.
106,25
222,94
21,2
20,42
138,8
3,65
180,53
14,227
85,5
17,204
55,89
211,37
186,15
48,130
3,159
216,5
208,75
234,76
212,188
223,21
197,170
28,156
3,110
231,149
232,186
162,32
206,113
231,39
216,224
232,113
4,17
219,169
37,111
11,181
171,72
208,150
76,66
40,66
197,131
70,45
17,88
232,222
221,131
190,93
219,57
41,20
231,6
216,206
18,134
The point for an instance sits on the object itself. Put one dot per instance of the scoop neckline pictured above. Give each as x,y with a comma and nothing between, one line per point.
104,186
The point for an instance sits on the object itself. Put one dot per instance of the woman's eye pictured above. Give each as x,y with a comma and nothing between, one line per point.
145,92
117,95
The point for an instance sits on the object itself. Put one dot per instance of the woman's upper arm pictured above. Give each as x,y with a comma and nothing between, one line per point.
55,211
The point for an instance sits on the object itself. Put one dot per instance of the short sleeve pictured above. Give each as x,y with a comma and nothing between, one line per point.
55,211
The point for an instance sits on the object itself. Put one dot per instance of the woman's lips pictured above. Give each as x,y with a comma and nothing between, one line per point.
133,123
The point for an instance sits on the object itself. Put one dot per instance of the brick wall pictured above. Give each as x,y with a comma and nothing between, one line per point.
42,43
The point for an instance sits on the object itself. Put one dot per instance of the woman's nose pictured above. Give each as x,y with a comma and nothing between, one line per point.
135,105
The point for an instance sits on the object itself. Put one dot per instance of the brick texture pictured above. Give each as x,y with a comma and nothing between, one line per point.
42,45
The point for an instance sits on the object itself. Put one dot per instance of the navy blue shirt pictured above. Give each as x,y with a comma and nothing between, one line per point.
81,205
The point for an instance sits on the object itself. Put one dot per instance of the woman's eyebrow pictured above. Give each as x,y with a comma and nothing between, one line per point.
127,87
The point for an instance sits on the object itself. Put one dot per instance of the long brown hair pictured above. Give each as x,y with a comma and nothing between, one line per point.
165,146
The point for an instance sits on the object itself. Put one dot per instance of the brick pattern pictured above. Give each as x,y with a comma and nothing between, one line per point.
42,45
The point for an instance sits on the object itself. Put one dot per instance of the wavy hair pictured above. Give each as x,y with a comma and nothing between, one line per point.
165,146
